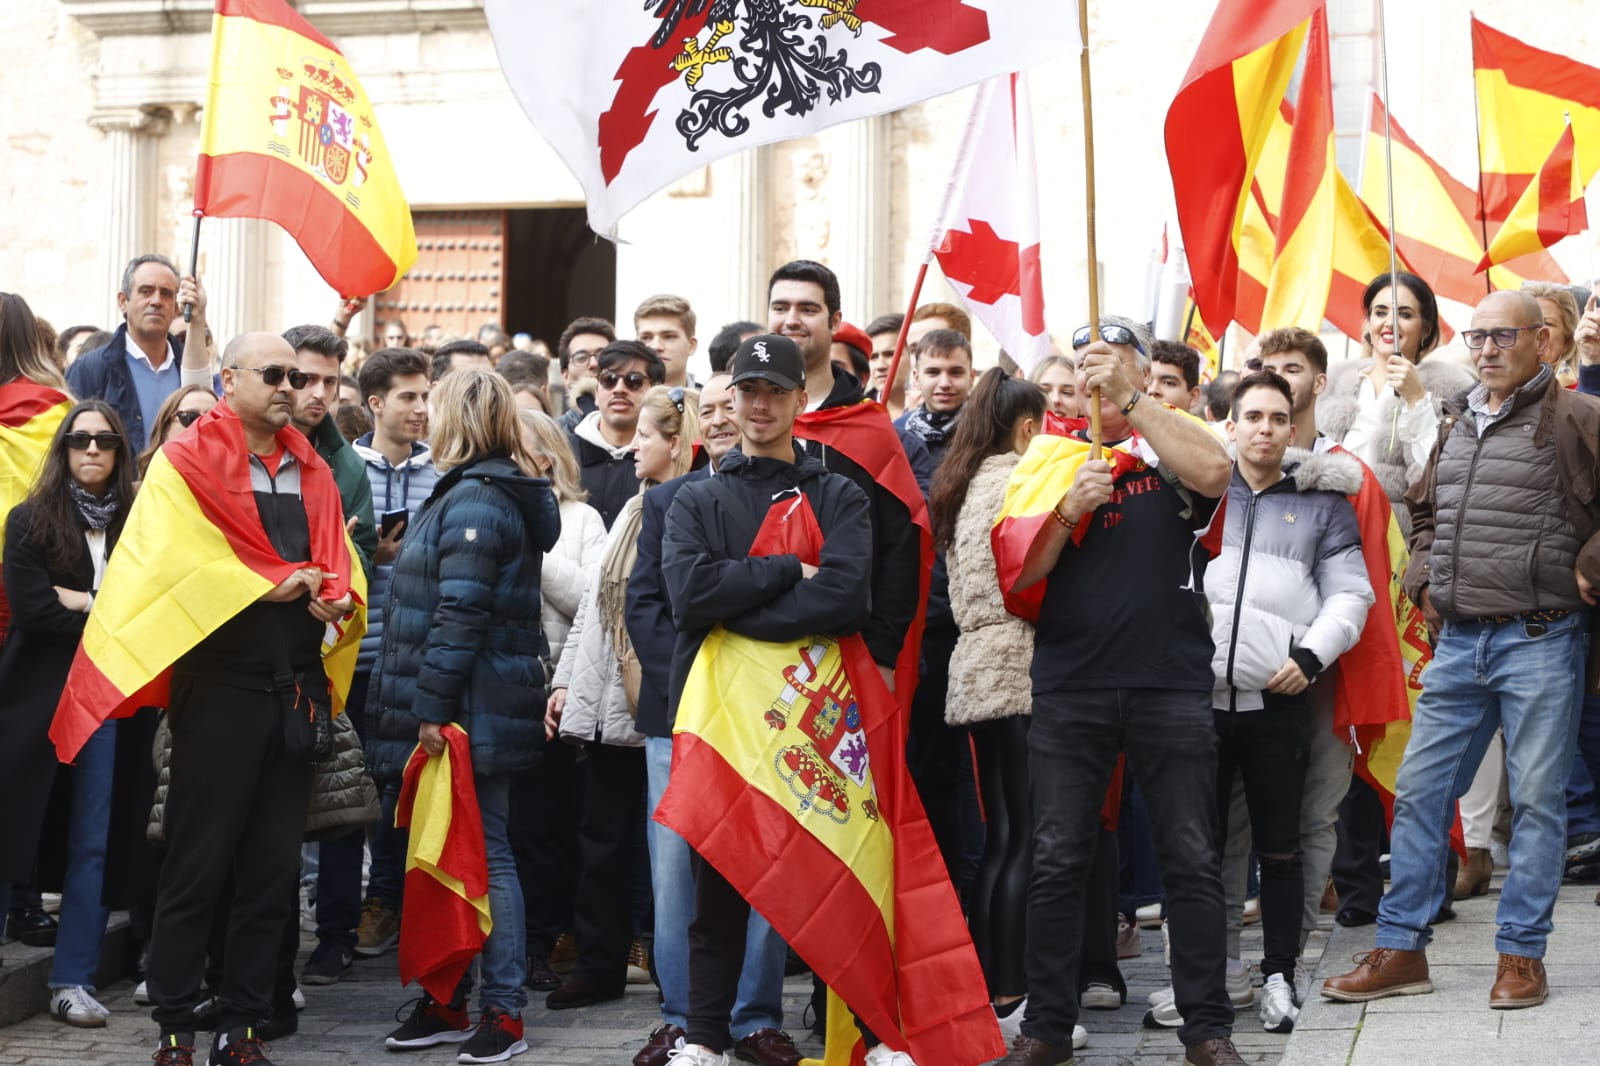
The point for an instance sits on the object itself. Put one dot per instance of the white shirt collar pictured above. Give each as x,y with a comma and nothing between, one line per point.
137,354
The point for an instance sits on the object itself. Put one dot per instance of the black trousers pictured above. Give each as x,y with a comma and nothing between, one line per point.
1363,837
546,809
235,803
613,817
936,750
999,912
1270,749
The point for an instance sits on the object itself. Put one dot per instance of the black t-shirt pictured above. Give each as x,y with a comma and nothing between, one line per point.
1123,609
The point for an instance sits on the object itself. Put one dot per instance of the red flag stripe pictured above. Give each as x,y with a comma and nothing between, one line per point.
1523,64
21,400
274,13
1559,213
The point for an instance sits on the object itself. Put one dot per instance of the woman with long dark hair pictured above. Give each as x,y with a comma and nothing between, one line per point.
57,543
990,690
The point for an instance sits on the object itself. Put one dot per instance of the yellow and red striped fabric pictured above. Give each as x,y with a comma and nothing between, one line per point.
1524,97
1216,129
1550,208
30,414
193,554
1437,229
289,135
446,917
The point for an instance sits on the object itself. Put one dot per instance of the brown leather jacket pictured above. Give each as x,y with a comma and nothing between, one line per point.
1574,421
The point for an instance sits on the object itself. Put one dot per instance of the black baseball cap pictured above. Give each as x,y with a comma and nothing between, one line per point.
770,358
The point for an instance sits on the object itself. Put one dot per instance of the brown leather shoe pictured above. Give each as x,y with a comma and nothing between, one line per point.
1519,982
1379,973
1218,1052
1029,1051
1474,876
768,1047
662,1041
1330,898
1129,944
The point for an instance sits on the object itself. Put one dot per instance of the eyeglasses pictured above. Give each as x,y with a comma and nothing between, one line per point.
633,381
106,442
581,358
188,418
274,375
1111,334
1504,336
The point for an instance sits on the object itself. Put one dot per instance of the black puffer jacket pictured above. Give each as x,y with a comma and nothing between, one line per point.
461,635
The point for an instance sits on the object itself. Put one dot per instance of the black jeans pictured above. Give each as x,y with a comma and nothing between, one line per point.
999,911
1269,749
1171,744
935,751
235,803
546,808
607,841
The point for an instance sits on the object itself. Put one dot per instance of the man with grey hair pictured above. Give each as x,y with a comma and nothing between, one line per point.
139,368
1505,562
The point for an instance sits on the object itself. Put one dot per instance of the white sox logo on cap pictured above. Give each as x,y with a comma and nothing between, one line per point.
760,352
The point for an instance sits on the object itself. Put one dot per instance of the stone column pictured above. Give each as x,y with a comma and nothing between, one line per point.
233,264
858,194
750,259
129,197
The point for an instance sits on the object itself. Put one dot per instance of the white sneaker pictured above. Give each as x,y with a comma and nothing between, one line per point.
1240,992
1163,1015
883,1056
1100,996
1080,1038
696,1055
76,1006
299,998
141,994
1011,1024
1148,916
1278,1010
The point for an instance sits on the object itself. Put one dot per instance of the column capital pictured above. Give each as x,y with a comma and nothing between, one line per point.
140,120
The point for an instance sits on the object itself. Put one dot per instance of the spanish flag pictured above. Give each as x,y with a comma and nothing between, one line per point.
1437,229
1196,336
1217,128
192,555
289,135
30,414
446,917
789,777
1524,97
1549,209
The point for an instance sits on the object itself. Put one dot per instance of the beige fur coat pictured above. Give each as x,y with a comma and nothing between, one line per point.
989,669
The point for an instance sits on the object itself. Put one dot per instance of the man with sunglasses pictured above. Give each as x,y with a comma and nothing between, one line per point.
1122,664
602,441
1505,562
578,351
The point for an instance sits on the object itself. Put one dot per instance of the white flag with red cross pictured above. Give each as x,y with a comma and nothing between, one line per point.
987,241
635,94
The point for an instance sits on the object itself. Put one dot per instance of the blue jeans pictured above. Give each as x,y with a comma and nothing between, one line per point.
386,877
1483,676
83,918
760,1001
505,954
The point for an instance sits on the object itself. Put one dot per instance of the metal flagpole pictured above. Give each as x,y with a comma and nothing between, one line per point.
1388,174
194,261
1088,199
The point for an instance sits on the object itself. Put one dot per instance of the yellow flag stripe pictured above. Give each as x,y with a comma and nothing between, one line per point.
1520,124
22,453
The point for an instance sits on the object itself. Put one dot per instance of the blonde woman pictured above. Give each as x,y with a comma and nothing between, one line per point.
1561,314
1057,376
592,703
461,641
583,532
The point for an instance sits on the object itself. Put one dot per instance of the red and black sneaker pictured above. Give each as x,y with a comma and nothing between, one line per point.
499,1037
239,1047
175,1049
429,1023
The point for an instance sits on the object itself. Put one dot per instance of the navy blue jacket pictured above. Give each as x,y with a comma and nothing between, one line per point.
461,635
102,374
649,615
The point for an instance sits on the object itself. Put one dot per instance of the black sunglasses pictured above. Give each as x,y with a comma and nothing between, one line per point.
675,394
188,418
1111,334
274,375
633,380
106,442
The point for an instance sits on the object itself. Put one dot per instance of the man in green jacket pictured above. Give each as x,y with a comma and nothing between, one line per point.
319,354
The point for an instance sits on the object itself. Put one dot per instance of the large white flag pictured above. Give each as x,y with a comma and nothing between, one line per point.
987,241
634,94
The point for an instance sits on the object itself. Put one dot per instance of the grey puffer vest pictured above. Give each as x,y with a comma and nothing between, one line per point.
1504,541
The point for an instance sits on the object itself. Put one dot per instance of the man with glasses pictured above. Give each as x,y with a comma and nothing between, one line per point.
236,799
602,441
1122,664
1505,562
577,350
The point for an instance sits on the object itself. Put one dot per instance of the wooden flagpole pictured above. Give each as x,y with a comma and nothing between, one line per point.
905,328
1095,435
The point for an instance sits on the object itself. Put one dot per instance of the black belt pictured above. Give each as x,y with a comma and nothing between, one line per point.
1525,616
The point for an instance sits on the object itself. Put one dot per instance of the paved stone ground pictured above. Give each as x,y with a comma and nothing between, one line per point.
344,1025
1455,1025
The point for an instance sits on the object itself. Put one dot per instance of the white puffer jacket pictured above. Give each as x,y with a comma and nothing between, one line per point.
1290,575
566,571
597,703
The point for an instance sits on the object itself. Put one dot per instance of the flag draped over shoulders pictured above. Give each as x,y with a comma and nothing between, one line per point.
192,555
30,414
446,917
789,778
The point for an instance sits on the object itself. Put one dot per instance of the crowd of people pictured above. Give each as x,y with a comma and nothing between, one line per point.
547,537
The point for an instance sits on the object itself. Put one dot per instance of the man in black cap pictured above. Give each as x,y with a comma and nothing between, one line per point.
712,580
